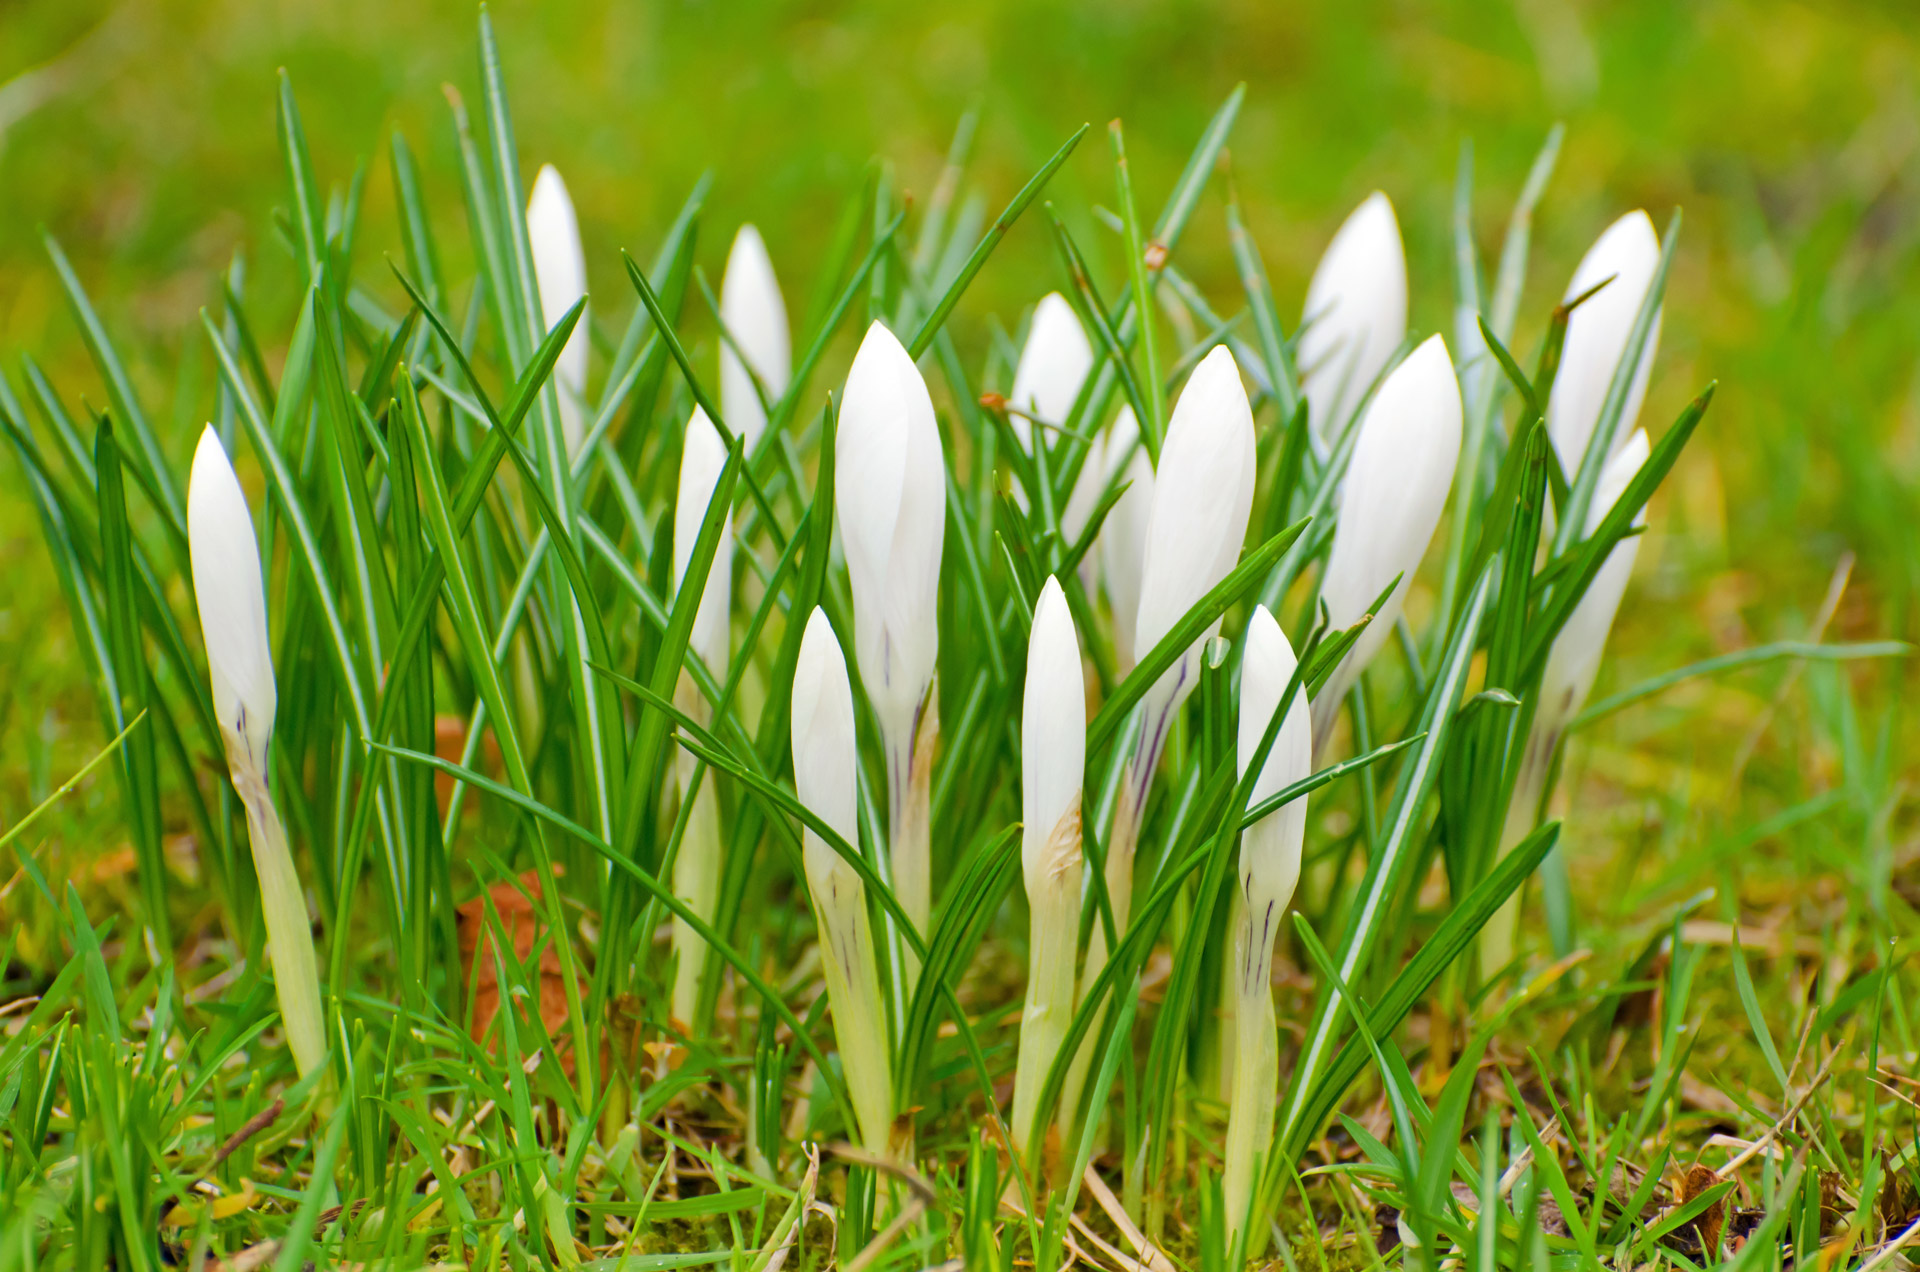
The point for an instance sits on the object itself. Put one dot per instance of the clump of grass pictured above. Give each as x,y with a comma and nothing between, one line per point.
524,549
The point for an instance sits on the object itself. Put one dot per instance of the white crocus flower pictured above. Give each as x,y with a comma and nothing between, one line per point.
1053,746
560,276
1270,852
756,317
825,765
1355,317
1572,664
1390,503
1629,254
696,868
1196,526
1053,365
1084,498
1123,539
890,497
233,622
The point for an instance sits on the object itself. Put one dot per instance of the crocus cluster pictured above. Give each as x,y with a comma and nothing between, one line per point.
1386,430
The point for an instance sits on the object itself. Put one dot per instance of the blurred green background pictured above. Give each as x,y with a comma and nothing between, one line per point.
143,136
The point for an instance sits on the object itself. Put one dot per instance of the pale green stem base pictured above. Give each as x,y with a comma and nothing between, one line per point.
853,989
1053,899
1255,1085
696,882
296,972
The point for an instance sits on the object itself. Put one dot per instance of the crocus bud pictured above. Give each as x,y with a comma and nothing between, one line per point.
1270,848
1053,737
233,622
1356,315
890,495
1270,851
1574,659
1053,745
824,774
1053,365
696,867
1571,666
756,318
702,458
1396,487
560,274
825,750
1197,520
1628,253
1123,539
233,604
1085,496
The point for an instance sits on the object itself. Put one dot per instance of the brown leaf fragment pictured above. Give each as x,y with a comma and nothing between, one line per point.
518,908
1711,1222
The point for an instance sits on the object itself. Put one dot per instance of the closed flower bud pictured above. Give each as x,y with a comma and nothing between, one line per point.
702,458
890,495
1629,254
233,604
233,621
696,867
1196,525
1356,315
1270,851
1390,503
1197,521
825,755
890,488
560,276
1053,745
1053,365
1270,848
1572,664
1123,539
825,765
1053,735
756,317
1574,660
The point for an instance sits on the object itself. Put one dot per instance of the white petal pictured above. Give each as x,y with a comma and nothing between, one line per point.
1087,489
560,275
1053,365
1390,503
1123,538
1053,737
1628,253
756,316
1270,849
1356,314
824,754
702,458
232,602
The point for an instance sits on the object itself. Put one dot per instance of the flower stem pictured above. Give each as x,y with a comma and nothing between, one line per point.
296,974
853,989
1053,898
1256,1070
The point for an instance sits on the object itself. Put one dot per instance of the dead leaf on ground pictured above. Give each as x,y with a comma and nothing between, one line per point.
517,906
1712,1221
